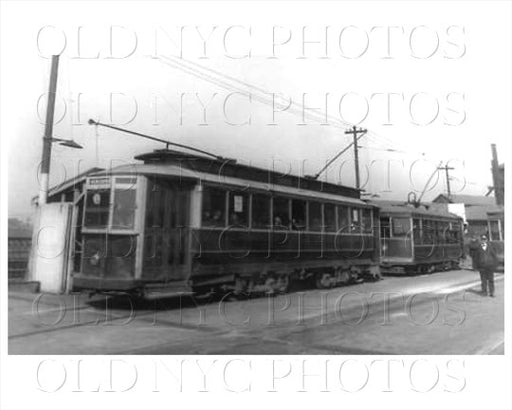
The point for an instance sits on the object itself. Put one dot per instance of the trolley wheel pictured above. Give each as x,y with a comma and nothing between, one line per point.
323,280
344,277
283,283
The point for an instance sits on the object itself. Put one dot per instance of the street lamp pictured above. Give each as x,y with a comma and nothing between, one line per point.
67,143
48,140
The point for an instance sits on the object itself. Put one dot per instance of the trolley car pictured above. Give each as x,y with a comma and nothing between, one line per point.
181,223
419,240
496,228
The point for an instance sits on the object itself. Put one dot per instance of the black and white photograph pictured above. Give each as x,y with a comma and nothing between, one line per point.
208,203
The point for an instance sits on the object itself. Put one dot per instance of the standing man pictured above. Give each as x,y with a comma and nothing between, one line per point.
473,246
486,262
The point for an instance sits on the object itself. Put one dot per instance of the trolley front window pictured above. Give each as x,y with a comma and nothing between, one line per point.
97,208
124,208
111,205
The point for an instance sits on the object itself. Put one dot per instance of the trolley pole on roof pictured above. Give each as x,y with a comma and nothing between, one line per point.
447,170
354,131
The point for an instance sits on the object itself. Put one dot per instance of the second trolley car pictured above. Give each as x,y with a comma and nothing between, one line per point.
419,240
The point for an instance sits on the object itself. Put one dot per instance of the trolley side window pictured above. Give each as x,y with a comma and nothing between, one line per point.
238,209
454,234
355,215
281,213
97,208
417,231
315,216
298,215
385,227
260,211
330,217
214,207
494,230
366,221
400,226
343,218
428,232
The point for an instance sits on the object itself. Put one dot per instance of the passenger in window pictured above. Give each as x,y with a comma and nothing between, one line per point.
217,217
233,219
316,224
278,223
236,219
213,218
297,225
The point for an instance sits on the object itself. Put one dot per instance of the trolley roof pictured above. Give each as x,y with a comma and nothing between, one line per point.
410,210
186,174
496,213
230,168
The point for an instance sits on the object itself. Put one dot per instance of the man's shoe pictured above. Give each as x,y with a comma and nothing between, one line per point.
491,295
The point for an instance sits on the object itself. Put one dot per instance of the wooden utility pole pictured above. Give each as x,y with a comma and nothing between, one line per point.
48,131
497,177
447,170
354,131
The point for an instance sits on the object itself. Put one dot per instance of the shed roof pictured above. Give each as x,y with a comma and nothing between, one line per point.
411,210
479,212
467,200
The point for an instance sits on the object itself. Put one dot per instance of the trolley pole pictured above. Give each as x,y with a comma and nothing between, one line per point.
354,131
48,131
447,170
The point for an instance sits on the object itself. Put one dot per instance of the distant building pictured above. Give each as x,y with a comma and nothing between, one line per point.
19,242
467,200
19,229
475,207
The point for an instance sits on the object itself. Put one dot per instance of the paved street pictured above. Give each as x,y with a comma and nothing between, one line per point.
441,313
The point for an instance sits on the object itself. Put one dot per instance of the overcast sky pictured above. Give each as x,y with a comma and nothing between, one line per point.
445,69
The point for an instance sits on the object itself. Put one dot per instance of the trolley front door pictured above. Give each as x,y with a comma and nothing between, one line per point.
176,229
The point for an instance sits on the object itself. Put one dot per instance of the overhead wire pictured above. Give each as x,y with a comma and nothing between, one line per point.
226,81
230,83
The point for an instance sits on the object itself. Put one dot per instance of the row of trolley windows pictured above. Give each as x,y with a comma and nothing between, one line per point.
222,207
424,231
